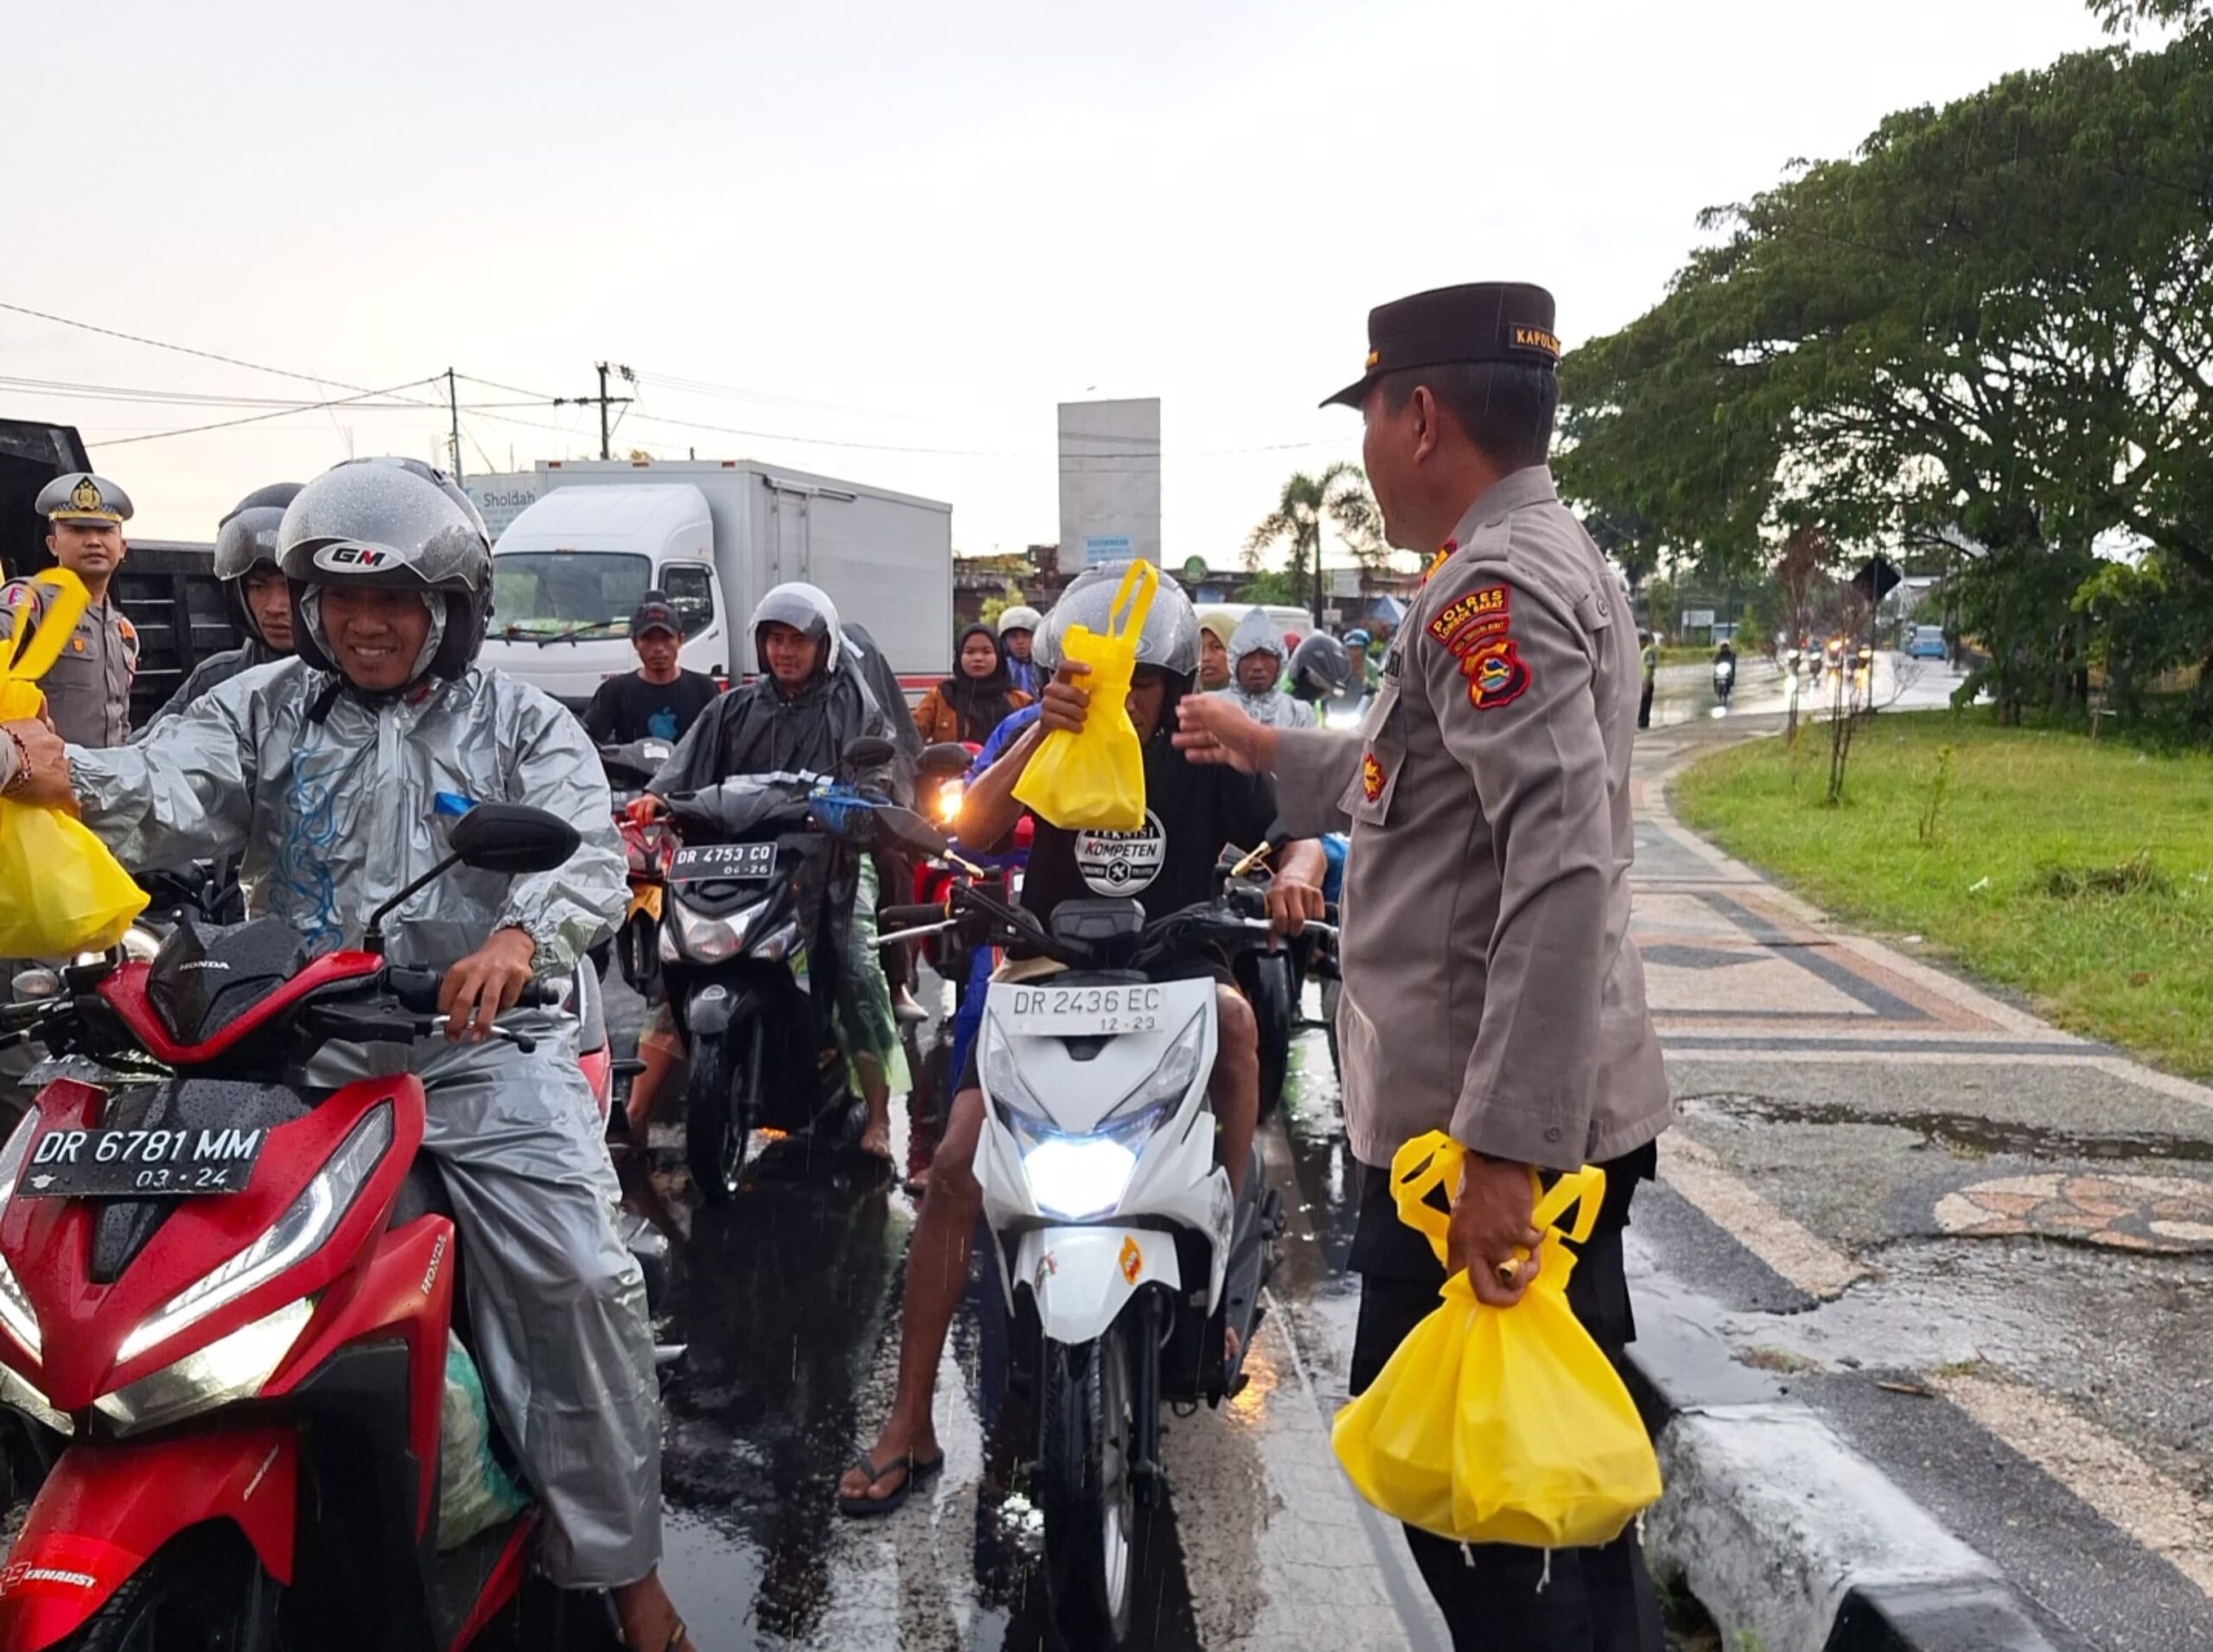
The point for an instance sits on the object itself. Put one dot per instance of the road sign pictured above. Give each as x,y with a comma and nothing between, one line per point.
1698,619
1195,570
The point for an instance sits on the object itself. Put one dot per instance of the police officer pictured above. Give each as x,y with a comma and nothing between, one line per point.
89,689
1491,989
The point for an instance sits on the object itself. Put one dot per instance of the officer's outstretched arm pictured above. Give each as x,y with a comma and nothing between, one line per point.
1505,668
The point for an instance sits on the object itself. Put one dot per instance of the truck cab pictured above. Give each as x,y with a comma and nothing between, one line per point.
571,569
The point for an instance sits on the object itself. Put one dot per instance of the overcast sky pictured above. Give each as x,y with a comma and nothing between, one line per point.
886,227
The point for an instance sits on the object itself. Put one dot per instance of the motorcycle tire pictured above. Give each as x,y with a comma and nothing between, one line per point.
203,1592
1086,1425
637,949
720,1105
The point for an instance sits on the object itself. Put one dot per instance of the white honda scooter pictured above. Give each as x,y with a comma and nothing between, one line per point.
1123,1254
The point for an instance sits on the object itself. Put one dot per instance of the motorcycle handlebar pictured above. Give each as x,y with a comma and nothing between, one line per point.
910,918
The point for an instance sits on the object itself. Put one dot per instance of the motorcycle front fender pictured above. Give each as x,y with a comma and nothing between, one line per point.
715,1006
1082,1278
645,899
106,1509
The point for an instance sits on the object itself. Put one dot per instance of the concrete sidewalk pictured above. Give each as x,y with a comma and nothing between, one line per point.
1980,1249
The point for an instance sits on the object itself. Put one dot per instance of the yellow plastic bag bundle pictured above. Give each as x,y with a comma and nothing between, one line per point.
1500,1426
1093,779
60,891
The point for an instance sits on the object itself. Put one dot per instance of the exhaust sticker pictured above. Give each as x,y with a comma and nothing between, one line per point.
70,1564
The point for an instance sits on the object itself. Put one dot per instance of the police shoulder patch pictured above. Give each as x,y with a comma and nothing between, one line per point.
1465,621
1496,674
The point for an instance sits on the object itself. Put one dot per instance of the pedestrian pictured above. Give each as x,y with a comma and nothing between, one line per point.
970,705
1648,660
1215,630
661,700
1017,625
88,688
1489,987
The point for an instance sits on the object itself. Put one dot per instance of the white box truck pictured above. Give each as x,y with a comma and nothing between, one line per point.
572,563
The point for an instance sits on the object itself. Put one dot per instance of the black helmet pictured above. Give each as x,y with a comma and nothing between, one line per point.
1320,668
246,540
398,524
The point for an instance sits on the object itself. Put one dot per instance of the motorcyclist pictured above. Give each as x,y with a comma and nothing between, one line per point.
1365,671
328,773
808,704
1017,631
254,591
1167,866
1215,631
1320,669
1257,654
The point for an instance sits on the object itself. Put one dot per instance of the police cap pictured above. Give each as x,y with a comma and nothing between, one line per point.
1484,321
80,496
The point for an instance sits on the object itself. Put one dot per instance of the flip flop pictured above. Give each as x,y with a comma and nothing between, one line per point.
867,1507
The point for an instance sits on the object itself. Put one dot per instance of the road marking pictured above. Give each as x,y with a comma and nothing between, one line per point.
1693,1170
2127,1491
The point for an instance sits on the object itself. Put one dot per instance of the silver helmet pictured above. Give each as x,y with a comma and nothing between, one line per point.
398,524
809,611
1019,618
246,540
1170,639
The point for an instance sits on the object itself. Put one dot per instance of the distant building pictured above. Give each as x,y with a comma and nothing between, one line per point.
1110,481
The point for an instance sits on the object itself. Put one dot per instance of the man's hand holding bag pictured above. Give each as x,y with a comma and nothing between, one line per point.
1093,778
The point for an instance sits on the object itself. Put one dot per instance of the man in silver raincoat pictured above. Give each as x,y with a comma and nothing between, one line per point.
334,775
1256,661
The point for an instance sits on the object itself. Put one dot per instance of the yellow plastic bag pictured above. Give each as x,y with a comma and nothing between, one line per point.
1093,779
60,891
1500,1426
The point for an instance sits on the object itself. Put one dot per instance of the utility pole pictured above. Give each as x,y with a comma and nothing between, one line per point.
605,401
452,406
1318,624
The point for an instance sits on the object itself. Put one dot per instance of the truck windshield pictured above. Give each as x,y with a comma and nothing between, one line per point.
566,593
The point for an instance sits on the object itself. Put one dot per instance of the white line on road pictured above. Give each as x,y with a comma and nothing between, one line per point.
2097,1468
1692,1168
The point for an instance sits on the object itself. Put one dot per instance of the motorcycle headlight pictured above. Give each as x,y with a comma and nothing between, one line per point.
948,801
231,1368
710,941
15,1314
1077,1176
290,1239
14,1391
1003,1080
1166,1084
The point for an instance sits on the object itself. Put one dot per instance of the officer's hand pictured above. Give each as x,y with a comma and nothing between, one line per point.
48,784
1215,731
1491,1221
1066,703
485,985
1292,900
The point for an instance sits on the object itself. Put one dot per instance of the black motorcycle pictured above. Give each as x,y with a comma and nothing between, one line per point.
750,952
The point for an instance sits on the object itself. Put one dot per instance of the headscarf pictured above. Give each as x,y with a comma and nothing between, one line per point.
981,704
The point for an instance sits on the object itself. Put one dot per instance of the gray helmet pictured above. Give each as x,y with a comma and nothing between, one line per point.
1171,637
809,611
1320,668
397,524
246,540
1020,619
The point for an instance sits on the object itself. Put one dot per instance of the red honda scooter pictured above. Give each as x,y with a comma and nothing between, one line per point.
225,1301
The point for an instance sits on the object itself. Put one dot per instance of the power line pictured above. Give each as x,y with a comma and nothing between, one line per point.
153,397
255,418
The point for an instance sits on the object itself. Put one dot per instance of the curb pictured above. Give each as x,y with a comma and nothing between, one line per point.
1793,1541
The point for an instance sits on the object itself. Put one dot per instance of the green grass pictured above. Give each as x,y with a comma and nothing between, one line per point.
2080,873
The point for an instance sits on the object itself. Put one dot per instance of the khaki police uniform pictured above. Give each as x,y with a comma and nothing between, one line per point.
88,688
1491,989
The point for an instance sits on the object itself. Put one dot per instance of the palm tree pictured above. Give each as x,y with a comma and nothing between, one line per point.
1339,494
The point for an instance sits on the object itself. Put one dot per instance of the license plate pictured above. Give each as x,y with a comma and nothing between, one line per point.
724,860
147,1163
1083,1011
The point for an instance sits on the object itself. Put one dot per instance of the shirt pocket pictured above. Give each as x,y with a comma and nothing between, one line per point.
1383,750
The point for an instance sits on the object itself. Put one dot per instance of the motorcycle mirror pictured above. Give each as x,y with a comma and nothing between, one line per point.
513,839
868,751
944,760
909,830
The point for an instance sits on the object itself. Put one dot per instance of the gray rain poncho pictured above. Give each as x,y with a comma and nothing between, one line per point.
1256,634
332,816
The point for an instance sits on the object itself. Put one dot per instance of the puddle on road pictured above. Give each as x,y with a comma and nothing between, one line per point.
1973,1132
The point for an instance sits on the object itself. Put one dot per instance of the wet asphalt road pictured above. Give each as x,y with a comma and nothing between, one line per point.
788,1300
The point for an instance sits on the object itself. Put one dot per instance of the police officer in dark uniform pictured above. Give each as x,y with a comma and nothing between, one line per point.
89,689
1489,987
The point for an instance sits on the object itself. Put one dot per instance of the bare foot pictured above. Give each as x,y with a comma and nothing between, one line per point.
649,1619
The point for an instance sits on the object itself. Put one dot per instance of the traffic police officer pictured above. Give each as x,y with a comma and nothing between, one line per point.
1491,989
89,689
